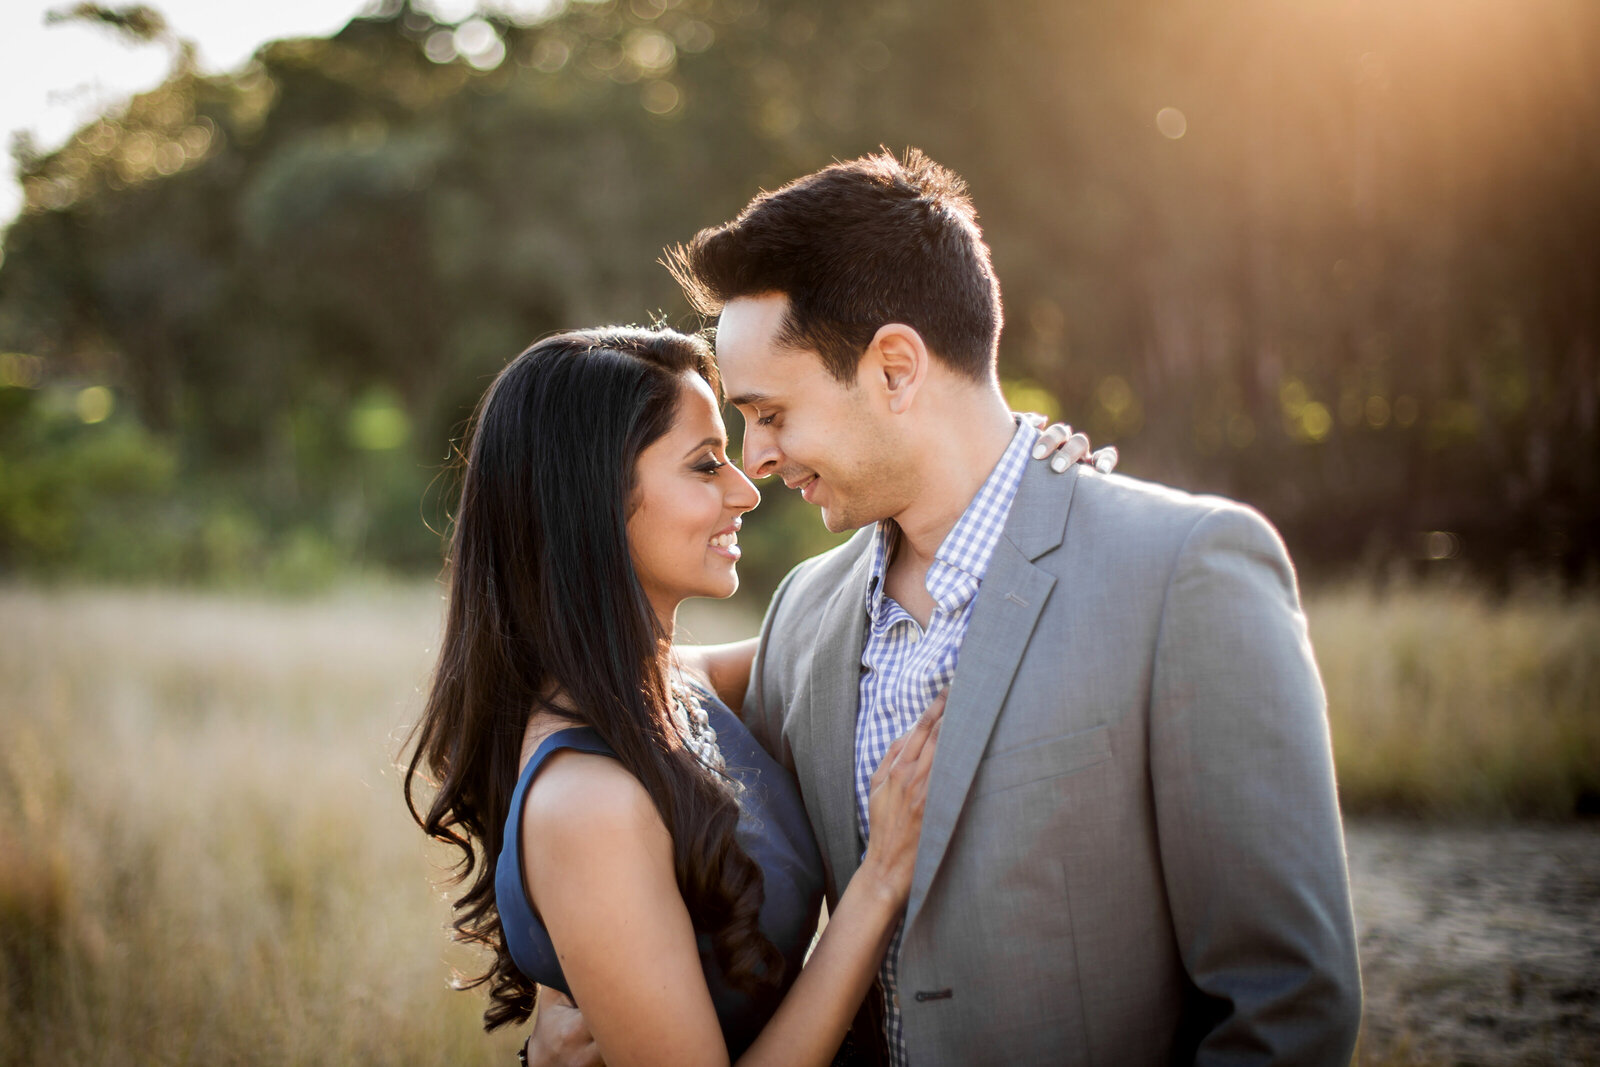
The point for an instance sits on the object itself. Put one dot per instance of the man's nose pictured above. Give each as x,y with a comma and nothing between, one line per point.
759,455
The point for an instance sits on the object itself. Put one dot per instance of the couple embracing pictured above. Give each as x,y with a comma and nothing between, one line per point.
1050,743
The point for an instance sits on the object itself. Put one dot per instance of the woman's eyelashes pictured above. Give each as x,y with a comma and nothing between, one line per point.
710,465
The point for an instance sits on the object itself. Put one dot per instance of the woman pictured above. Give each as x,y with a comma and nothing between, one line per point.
628,841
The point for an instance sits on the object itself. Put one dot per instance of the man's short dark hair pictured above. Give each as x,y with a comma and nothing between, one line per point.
854,246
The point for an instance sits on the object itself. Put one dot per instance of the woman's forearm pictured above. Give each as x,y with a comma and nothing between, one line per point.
814,1017
812,1021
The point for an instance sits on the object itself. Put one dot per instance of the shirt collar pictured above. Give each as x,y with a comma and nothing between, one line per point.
963,556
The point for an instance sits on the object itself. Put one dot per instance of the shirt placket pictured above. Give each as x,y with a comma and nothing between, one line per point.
926,668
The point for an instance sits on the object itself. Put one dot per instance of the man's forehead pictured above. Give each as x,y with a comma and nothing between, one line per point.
767,376
752,372
753,319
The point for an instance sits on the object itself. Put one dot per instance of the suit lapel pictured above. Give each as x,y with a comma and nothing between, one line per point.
835,688
1003,618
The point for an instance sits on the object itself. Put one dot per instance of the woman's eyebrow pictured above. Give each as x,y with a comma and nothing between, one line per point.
709,442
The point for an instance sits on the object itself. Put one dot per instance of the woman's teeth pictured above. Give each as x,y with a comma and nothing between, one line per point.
727,540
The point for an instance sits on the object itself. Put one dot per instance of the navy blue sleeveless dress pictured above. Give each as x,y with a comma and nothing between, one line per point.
772,829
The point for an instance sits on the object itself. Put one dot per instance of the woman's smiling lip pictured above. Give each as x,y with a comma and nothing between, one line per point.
725,542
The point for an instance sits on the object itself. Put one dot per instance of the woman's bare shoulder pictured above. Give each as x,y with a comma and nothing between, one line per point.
583,797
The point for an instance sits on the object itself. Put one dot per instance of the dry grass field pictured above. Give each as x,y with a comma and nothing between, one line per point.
203,854
1445,703
204,857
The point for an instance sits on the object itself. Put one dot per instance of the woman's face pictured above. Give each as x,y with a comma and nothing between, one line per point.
683,532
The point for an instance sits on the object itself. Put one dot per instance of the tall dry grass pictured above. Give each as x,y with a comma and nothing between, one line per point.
1446,702
204,854
204,857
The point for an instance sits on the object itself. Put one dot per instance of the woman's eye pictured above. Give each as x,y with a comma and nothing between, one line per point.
710,466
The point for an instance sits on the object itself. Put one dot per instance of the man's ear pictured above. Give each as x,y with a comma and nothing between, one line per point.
895,365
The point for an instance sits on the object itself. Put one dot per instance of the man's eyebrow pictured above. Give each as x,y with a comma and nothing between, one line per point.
710,442
750,400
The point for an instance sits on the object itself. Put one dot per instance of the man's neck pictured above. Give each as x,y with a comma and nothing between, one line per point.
953,465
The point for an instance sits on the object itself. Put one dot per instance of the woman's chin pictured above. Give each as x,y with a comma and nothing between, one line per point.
721,589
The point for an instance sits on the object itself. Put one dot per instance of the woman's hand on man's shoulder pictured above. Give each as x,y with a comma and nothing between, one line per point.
1059,445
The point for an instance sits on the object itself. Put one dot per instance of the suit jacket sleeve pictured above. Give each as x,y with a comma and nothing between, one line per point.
1247,816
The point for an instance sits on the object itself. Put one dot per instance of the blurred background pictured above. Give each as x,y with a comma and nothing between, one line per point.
1339,259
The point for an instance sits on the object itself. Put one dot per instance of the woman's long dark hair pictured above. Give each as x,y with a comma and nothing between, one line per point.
544,600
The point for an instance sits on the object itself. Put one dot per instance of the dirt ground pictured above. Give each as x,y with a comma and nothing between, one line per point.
1479,945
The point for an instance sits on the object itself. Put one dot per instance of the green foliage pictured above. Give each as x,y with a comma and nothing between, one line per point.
105,499
1268,255
69,489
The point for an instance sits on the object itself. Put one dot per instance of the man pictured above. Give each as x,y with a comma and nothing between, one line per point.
1132,850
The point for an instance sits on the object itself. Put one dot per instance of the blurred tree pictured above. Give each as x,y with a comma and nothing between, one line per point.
1337,260
137,22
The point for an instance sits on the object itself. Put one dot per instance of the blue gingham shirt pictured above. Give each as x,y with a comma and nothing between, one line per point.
904,667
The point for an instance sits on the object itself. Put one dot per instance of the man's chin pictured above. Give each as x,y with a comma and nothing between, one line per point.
838,520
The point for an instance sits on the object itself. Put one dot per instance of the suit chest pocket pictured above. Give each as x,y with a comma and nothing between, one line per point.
1051,757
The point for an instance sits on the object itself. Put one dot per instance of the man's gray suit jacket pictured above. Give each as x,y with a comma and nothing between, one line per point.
1132,851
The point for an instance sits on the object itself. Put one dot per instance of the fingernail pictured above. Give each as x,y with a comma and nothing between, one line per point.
1038,451
1059,462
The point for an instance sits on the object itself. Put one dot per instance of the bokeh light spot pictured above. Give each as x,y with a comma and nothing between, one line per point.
20,371
1115,395
1377,412
377,424
169,157
1025,394
450,10
1293,395
474,35
477,42
694,36
1172,123
550,54
779,117
440,46
1316,421
1440,544
195,141
660,97
489,58
94,404
651,51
